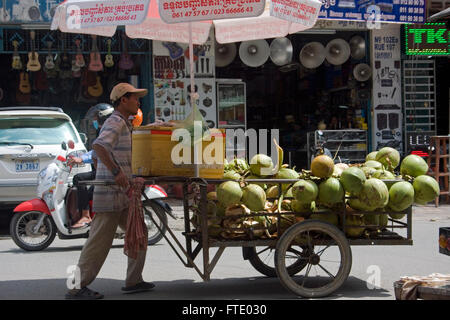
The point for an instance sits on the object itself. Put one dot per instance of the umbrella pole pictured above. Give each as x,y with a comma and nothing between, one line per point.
191,76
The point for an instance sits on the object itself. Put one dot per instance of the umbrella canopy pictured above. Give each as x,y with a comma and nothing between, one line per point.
142,20
152,27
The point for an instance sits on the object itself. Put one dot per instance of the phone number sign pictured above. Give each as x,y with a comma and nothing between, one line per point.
173,11
86,14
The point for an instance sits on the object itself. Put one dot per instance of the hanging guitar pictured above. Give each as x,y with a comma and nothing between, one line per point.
95,63
76,70
16,61
49,63
109,61
125,62
33,57
23,95
79,58
24,84
97,89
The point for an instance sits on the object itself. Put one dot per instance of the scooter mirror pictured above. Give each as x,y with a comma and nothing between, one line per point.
71,144
63,146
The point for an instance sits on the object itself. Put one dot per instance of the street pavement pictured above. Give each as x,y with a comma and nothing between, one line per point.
43,275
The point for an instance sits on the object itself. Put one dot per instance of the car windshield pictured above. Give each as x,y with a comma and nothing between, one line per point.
36,130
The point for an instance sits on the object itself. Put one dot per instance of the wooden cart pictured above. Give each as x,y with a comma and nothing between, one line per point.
312,258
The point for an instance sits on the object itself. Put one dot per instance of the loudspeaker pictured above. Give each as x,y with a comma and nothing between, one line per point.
281,51
312,55
337,51
254,53
225,54
357,47
362,72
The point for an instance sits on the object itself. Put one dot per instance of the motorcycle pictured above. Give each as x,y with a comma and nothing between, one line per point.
36,222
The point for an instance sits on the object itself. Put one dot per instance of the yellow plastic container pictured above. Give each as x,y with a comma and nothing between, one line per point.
152,154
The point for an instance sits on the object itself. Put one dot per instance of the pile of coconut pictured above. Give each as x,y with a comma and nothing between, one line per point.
381,184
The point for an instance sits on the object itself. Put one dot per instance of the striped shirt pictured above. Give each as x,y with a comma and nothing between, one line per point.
115,137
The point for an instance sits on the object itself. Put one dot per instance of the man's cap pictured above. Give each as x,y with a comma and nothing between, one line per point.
122,88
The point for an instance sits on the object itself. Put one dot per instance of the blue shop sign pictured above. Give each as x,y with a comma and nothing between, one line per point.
27,11
400,11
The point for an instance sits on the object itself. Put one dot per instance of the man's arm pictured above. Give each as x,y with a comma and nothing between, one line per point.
103,154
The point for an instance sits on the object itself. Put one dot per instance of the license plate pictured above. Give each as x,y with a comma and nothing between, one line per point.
27,165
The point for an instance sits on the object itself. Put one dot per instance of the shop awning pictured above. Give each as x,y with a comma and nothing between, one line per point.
96,21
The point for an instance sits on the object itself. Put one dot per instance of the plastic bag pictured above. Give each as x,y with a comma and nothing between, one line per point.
196,125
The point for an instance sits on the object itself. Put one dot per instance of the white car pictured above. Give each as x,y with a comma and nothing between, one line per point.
30,138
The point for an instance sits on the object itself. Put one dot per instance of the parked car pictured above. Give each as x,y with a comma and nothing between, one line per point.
30,138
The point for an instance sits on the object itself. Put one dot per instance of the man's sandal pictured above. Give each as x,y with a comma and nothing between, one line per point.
83,294
140,287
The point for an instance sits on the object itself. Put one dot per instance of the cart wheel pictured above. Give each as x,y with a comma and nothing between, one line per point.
329,259
262,259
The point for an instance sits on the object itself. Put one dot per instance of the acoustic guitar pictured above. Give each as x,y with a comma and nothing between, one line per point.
76,69
33,57
125,62
79,59
16,61
95,63
97,89
49,63
24,84
109,61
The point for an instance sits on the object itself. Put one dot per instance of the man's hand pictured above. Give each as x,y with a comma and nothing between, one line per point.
122,180
74,160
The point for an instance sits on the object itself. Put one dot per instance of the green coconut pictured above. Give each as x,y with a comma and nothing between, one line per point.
401,196
305,191
272,192
231,175
396,216
229,193
329,217
212,196
357,204
352,180
261,165
426,189
383,175
368,171
354,225
261,184
322,166
339,168
388,157
286,173
374,194
298,206
254,197
240,165
413,166
372,156
379,221
373,164
331,192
